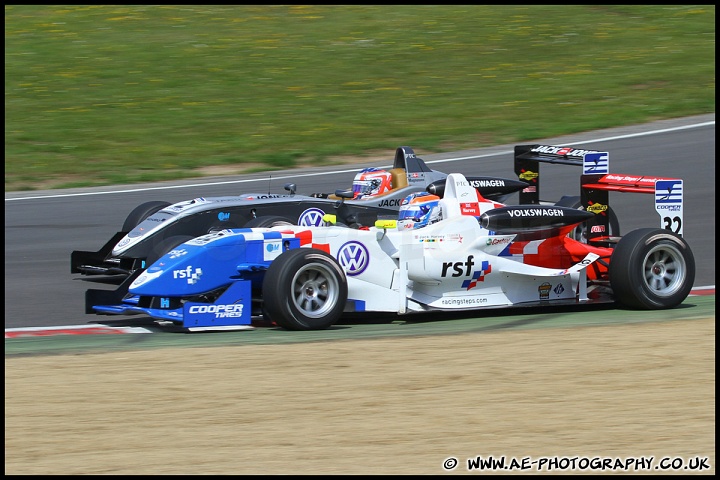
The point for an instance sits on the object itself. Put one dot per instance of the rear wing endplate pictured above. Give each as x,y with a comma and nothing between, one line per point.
595,183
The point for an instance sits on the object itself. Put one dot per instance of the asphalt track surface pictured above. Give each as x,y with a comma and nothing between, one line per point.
43,227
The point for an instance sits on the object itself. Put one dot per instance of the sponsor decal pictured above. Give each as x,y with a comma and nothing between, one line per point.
464,301
146,276
471,208
632,179
177,253
590,258
449,237
536,212
530,189
497,241
559,289
563,151
623,178
211,237
204,240
487,183
596,163
597,229
544,291
390,203
178,207
123,242
669,198
465,269
457,268
192,276
273,249
164,303
220,311
478,276
668,191
597,208
312,217
354,258
528,175
224,216
261,197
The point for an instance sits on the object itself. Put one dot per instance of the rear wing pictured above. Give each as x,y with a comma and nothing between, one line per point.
596,182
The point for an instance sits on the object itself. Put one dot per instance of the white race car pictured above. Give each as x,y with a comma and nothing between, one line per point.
480,255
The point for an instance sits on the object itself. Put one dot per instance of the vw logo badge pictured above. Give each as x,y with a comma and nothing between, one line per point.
354,258
312,217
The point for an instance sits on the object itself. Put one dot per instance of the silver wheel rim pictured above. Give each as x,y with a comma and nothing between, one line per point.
315,290
664,270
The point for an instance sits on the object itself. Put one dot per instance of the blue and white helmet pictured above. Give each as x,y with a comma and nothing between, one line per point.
418,210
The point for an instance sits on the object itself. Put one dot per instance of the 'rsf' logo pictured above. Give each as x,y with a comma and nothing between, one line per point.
354,258
312,217
192,276
463,269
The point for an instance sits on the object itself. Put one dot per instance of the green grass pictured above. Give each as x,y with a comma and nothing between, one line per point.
104,94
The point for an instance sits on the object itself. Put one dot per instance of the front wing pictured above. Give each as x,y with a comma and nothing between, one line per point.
231,309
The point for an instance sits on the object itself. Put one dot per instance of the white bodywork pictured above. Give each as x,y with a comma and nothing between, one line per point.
452,265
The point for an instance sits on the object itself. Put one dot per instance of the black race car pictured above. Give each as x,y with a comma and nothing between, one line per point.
155,228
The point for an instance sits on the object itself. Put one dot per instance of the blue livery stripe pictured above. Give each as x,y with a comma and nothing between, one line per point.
597,162
668,191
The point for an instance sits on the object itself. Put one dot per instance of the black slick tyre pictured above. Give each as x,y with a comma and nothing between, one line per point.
141,212
304,289
651,268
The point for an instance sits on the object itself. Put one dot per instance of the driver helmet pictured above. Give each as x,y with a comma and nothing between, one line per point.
418,210
370,182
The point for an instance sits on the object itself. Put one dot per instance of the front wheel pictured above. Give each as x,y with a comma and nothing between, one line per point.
652,269
304,289
141,212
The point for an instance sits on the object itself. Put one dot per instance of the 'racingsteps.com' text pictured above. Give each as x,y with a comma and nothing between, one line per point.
558,464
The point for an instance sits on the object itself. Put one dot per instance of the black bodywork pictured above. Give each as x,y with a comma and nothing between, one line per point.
196,217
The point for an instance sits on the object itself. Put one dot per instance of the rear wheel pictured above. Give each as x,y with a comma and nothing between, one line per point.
579,233
141,212
651,269
304,289
268,221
